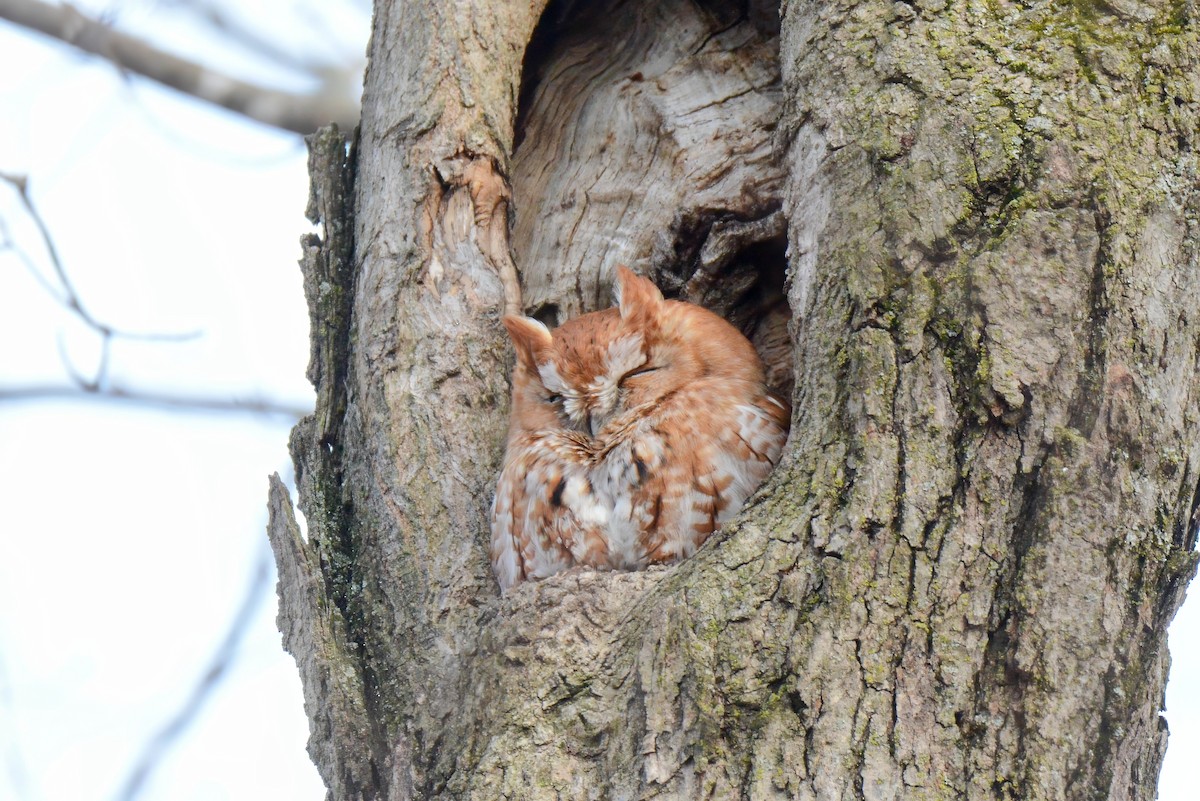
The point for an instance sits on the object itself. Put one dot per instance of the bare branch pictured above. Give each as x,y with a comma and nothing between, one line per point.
86,391
97,387
70,297
299,113
155,750
87,385
7,243
235,31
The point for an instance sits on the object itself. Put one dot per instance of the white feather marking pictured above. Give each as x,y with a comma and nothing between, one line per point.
624,354
584,504
551,379
623,549
505,560
546,563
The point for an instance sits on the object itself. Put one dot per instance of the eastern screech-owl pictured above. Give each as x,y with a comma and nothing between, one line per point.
635,432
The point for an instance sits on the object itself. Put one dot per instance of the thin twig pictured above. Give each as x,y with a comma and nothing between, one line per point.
21,184
70,298
249,39
97,388
87,385
186,403
7,243
154,752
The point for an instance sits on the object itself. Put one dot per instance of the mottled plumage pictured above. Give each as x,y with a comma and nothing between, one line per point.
635,432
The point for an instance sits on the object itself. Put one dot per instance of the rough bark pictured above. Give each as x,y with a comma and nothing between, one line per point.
958,582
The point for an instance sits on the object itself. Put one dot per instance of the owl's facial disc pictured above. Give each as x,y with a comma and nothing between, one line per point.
581,373
623,354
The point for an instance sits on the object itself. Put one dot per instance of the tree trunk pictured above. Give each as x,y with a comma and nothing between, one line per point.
957,583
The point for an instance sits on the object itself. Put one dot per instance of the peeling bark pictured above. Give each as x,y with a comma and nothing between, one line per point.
958,581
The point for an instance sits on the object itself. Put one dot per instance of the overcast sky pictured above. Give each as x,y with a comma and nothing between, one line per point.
129,536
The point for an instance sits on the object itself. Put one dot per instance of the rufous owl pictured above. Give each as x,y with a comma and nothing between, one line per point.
635,432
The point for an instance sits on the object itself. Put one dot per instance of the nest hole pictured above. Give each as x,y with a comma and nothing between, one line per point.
738,269
645,136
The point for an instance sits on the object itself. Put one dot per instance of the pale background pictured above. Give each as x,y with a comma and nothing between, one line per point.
128,536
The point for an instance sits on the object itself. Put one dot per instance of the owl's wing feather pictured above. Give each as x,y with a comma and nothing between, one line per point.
679,470
546,517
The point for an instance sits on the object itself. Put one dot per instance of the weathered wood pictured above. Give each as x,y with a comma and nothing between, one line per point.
647,139
644,136
957,584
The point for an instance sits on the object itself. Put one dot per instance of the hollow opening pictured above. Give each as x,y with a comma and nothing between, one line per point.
738,269
645,137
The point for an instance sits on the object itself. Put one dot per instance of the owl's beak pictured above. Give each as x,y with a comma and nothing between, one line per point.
593,424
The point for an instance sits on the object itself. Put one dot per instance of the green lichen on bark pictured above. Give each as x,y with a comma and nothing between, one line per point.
1004,172
325,570
328,268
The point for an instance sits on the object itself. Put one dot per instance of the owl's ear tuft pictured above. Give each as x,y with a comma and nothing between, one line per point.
530,339
637,297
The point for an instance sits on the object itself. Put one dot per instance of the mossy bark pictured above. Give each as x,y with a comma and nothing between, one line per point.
958,581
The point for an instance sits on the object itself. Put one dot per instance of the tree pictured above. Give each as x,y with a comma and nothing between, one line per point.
958,581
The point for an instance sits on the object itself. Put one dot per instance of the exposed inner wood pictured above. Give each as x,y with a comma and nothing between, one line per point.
654,124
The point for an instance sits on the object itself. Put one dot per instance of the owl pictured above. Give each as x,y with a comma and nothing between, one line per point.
635,432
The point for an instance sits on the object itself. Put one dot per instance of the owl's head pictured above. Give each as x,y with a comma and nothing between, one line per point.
598,365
